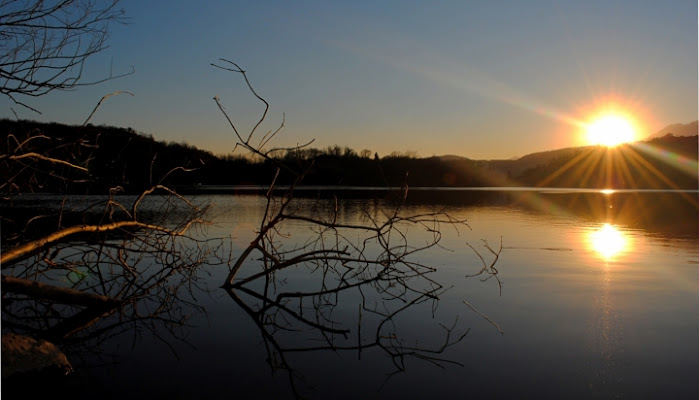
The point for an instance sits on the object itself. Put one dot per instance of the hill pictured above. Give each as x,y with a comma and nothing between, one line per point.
113,157
690,129
122,158
516,167
669,162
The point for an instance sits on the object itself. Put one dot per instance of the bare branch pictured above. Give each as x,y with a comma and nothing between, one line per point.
373,258
28,248
252,90
487,318
46,44
55,293
99,103
45,158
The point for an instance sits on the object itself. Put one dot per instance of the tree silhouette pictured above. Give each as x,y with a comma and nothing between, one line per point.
372,259
44,44
81,269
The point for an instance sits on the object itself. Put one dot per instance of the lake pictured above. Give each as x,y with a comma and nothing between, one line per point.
593,295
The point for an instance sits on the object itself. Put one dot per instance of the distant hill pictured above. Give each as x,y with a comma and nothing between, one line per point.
690,129
668,162
114,157
517,166
118,157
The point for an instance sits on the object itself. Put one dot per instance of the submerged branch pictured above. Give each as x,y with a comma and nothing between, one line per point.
55,293
45,158
29,248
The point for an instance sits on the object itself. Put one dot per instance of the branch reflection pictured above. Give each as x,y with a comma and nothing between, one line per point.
81,292
348,286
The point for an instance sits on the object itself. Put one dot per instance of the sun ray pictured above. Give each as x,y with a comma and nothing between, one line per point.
622,164
645,167
570,164
591,169
682,163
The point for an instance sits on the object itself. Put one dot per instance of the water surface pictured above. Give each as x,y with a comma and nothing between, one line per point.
597,297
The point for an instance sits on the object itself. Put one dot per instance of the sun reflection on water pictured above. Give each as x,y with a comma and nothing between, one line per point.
608,241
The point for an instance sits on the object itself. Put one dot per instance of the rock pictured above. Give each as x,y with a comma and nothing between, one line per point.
22,354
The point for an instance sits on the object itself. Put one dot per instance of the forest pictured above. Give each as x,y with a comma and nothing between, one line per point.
132,161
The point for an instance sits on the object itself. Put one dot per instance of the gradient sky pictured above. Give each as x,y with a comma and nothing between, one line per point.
481,79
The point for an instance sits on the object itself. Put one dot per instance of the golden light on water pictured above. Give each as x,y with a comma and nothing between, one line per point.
608,242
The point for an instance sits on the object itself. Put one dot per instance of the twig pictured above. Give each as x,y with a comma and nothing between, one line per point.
99,103
484,316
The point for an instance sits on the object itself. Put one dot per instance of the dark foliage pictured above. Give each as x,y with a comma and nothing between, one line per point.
118,157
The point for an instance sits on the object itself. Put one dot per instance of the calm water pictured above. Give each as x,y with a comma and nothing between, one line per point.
599,298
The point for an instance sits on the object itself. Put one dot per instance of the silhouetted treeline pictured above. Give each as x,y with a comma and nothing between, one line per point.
113,157
119,157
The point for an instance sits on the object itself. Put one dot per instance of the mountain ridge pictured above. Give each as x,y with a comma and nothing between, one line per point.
678,129
134,161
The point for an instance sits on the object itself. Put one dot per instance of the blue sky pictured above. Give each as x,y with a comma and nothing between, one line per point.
482,79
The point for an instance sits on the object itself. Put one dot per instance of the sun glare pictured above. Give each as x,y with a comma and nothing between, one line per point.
610,131
608,241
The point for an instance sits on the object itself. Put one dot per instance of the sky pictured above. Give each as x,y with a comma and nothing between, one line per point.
481,79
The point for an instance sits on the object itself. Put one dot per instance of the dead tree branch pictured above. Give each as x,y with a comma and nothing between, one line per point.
46,43
373,259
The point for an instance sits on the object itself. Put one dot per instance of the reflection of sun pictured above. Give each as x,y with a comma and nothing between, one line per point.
608,241
610,130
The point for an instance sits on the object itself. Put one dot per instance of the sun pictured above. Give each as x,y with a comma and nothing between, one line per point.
610,130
